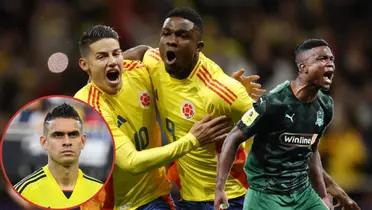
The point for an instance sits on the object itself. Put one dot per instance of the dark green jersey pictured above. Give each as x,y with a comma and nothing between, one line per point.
285,130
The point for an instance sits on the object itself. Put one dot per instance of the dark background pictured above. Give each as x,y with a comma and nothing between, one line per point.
257,35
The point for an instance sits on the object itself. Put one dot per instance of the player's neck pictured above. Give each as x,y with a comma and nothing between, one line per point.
65,176
304,91
185,73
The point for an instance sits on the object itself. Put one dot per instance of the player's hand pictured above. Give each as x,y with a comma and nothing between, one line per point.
253,88
327,200
343,198
211,129
220,198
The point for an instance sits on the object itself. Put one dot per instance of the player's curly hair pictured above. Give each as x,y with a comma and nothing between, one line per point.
94,34
62,111
189,14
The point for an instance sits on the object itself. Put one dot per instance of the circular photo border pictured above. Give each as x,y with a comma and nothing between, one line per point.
97,155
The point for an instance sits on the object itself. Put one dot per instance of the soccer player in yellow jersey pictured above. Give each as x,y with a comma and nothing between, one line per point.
125,99
187,87
60,184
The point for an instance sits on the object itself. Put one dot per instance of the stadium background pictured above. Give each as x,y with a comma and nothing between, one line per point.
257,35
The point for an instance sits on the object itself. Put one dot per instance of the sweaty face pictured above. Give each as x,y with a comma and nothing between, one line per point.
178,46
319,66
104,64
63,141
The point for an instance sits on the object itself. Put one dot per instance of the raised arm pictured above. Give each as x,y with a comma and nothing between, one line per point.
135,53
206,131
227,157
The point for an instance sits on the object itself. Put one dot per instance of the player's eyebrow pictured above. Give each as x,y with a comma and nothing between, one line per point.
182,31
74,133
106,52
326,56
61,133
57,133
101,53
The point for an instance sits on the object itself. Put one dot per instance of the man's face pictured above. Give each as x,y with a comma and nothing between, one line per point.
63,141
319,66
179,46
103,63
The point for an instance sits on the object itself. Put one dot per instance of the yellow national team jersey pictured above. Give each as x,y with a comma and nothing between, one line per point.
130,115
42,189
208,90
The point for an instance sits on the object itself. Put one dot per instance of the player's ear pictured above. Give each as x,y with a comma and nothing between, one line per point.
83,63
200,45
43,142
301,68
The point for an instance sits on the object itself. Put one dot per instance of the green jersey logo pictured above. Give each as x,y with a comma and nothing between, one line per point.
298,139
319,118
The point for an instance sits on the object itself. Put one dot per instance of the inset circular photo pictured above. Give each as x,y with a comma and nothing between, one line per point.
57,152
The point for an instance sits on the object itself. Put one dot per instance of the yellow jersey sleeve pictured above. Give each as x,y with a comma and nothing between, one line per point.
137,162
151,59
233,100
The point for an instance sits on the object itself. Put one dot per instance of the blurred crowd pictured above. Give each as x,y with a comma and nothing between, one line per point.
258,35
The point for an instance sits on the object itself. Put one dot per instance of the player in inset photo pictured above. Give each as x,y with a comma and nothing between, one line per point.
60,181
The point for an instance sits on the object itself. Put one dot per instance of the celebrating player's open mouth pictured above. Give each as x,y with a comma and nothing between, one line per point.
328,76
113,76
170,57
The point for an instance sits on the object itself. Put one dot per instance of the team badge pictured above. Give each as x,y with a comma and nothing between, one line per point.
188,109
145,99
319,118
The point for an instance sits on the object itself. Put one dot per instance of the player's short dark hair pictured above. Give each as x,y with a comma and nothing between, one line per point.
307,45
189,14
93,34
62,111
